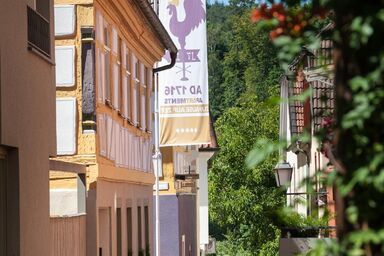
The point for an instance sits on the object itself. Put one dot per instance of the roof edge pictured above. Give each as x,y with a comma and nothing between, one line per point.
157,25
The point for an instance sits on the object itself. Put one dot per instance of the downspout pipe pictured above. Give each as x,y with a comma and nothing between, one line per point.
170,65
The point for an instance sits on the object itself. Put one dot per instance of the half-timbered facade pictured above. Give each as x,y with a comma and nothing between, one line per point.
108,51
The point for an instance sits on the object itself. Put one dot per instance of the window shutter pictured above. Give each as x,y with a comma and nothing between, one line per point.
112,156
116,82
66,126
125,94
64,20
102,135
109,131
137,156
134,91
117,144
99,27
130,151
114,40
99,75
65,65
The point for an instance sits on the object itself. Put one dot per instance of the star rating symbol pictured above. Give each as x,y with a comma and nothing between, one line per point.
186,130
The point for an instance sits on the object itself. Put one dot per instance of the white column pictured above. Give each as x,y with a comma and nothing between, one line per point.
203,221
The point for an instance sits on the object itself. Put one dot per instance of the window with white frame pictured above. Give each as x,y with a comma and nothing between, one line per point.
65,20
65,65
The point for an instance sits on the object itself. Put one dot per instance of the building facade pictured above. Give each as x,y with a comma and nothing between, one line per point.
106,53
301,123
27,125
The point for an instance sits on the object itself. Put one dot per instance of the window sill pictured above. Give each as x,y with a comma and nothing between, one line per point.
38,52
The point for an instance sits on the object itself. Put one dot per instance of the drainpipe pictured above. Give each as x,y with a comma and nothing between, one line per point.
169,66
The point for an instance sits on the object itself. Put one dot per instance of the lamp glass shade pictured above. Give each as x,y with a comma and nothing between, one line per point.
283,174
157,165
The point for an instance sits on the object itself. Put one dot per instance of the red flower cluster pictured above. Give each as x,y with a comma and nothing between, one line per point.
291,23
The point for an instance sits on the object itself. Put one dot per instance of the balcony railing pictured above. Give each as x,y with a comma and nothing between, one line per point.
38,32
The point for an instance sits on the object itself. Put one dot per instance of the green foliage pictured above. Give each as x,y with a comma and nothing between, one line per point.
244,202
359,144
241,59
289,218
243,77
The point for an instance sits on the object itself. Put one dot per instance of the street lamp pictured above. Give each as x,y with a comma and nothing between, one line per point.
283,174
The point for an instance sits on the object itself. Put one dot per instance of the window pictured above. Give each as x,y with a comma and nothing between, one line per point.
125,76
65,66
39,35
107,63
143,96
43,8
118,232
129,231
64,20
66,126
135,91
99,26
116,69
128,86
88,86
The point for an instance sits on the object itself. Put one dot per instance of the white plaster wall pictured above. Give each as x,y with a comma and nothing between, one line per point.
202,167
298,176
63,202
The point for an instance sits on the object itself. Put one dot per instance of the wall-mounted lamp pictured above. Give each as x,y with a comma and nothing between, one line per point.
283,174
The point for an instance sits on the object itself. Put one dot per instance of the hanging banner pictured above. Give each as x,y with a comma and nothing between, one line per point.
183,90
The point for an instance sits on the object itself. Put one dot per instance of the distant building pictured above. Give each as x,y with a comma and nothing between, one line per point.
27,125
106,53
309,160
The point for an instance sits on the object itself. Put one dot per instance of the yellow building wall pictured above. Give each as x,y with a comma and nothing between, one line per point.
168,170
143,42
86,144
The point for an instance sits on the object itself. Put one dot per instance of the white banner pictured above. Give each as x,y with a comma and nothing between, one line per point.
183,90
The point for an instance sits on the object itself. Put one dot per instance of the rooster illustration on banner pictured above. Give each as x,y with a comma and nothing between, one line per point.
194,16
